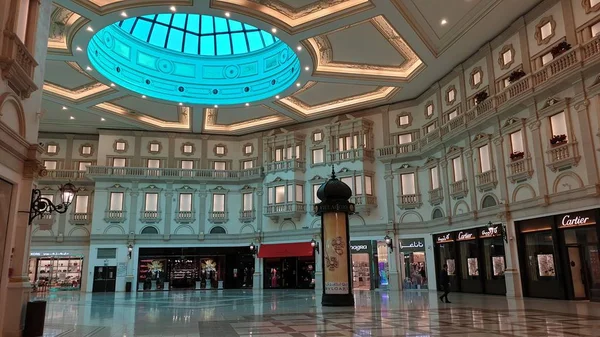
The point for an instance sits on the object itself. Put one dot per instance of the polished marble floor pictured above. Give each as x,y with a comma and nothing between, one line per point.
297,313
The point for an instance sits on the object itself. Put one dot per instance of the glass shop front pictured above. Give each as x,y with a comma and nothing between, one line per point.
475,258
288,265
195,268
55,271
559,256
414,271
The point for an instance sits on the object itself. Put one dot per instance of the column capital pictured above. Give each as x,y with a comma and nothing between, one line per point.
534,125
581,106
498,140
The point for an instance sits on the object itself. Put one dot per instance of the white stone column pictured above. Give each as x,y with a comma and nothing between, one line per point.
512,277
257,277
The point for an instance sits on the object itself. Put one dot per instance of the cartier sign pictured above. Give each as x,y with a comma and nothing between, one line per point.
462,236
575,220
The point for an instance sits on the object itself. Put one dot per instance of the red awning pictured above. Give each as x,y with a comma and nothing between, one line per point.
295,249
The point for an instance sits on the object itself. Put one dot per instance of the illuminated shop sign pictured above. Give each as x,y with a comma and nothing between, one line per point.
412,244
490,232
50,254
443,238
360,246
466,235
576,220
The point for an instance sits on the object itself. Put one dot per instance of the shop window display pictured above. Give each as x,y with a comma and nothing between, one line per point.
382,264
55,273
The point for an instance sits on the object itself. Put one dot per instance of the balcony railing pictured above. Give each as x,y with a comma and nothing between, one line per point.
459,189
453,125
289,209
150,216
185,216
352,155
364,203
72,175
114,216
81,218
563,155
486,180
286,165
392,151
519,169
409,201
17,65
560,64
172,173
436,196
247,216
217,216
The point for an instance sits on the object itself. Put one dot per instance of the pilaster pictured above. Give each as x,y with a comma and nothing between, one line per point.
168,208
259,207
202,210
204,153
133,206
389,193
472,183
587,135
538,161
171,151
446,185
501,168
136,161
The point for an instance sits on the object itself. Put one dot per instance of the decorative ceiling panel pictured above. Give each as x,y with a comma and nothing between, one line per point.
211,125
162,111
68,75
183,123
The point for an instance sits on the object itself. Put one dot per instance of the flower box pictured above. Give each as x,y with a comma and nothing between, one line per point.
481,96
517,155
560,48
516,75
558,139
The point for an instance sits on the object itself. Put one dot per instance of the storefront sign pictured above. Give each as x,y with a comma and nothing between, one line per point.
50,254
412,244
360,247
443,238
490,232
575,220
466,235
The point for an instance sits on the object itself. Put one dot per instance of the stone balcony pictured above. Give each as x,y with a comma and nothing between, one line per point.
247,216
486,180
218,217
286,165
185,216
352,155
364,203
101,173
436,196
561,69
459,189
45,221
150,216
115,216
285,210
563,156
519,169
17,65
409,201
80,218
64,175
398,150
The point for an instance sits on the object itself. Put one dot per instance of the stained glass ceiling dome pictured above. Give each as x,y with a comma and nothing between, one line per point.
198,34
193,59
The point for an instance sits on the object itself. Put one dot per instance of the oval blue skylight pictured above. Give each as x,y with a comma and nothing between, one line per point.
198,34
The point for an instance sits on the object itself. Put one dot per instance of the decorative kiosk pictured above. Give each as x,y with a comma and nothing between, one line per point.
334,209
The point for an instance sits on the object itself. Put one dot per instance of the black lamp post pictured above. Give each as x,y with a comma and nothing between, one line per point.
252,248
41,205
335,232
389,242
315,245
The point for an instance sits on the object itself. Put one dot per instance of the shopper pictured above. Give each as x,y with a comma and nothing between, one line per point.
445,283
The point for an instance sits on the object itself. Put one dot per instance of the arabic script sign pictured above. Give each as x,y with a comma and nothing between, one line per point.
412,244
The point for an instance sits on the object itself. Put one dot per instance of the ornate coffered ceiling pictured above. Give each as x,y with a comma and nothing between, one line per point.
354,54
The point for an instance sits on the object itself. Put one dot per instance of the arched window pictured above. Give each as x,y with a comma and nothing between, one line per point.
489,201
218,230
437,213
149,230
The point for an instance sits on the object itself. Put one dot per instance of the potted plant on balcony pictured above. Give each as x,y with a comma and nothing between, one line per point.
517,155
560,48
515,76
480,97
558,139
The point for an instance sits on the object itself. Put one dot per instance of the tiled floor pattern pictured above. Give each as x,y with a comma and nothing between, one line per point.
299,314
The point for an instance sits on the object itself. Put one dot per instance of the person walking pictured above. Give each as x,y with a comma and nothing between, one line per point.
445,283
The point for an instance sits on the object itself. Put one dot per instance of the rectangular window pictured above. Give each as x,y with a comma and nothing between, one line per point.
408,183
247,164
120,146
247,201
187,149
293,152
290,193
430,110
430,127
316,199
317,136
477,78
547,58
507,57
457,165
218,202
299,193
516,141
185,202
248,149
404,120
279,194
365,140
348,181
86,150
270,195
81,204
506,82
106,253
219,165
84,164
484,158
153,163
318,156
49,197
451,95
187,164
220,149
116,201
546,30
452,115
51,149
50,164
119,162
595,29
558,124
358,188
368,185
405,138
435,178
279,154
151,203
154,147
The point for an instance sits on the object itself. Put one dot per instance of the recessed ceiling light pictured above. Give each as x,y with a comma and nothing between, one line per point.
180,103
307,68
71,117
88,68
227,14
90,29
112,85
173,8
274,30
123,14
247,104
216,106
102,119
444,22
143,96
297,84
78,48
299,48
277,96
64,108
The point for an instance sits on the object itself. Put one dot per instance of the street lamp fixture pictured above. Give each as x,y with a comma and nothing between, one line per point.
389,242
503,229
252,248
315,245
129,251
41,205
